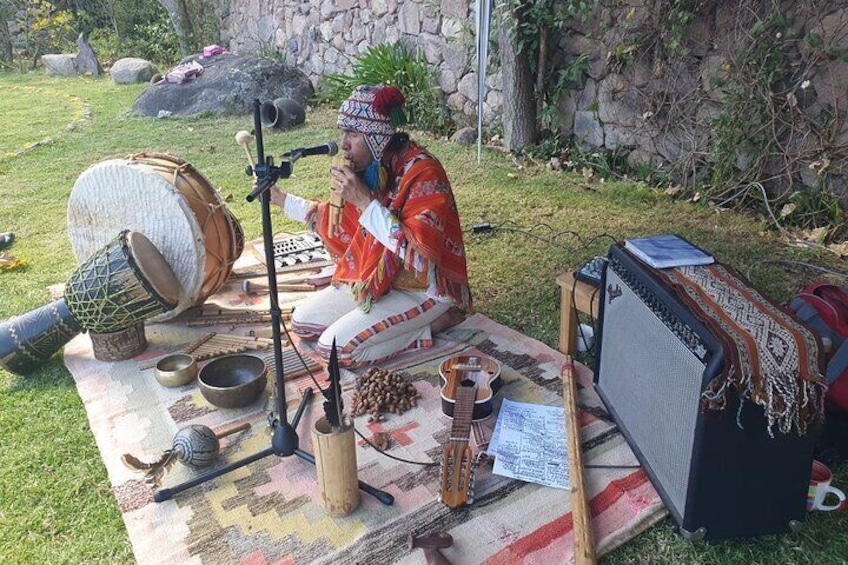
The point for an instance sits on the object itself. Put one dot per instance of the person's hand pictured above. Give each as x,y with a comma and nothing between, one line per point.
278,197
349,185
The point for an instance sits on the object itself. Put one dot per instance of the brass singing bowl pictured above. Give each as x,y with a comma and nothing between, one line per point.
233,381
176,370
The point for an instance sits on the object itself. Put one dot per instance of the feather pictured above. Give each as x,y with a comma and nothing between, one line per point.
135,464
159,469
155,471
333,405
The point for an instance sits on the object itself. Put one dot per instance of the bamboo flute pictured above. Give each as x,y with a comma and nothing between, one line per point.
336,201
584,547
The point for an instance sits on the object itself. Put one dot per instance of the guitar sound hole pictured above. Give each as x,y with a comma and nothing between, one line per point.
467,383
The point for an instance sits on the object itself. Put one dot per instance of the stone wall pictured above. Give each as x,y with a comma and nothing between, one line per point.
635,93
325,36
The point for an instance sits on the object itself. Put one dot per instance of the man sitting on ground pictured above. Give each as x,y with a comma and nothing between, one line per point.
401,273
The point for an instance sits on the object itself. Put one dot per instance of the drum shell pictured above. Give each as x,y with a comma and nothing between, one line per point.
29,340
110,291
170,202
120,345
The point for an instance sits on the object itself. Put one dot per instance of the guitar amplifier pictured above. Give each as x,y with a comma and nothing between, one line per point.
719,472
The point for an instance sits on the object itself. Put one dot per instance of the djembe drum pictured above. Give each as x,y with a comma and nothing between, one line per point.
172,204
120,285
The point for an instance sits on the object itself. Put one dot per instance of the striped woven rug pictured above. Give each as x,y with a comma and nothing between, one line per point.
269,512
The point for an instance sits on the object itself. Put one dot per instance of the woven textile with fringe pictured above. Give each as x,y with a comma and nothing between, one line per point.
772,360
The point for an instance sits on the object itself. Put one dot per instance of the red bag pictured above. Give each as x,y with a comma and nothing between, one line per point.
824,307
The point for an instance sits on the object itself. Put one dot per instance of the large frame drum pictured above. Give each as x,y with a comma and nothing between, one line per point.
167,200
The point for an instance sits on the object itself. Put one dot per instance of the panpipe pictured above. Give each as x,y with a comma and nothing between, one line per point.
336,201
294,365
215,345
234,317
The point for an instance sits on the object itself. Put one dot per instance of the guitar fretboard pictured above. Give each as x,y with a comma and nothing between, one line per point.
462,413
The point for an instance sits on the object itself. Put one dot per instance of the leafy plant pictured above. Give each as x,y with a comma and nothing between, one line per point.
270,51
154,41
394,64
48,29
817,208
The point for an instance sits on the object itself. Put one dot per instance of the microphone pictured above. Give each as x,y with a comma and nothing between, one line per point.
329,148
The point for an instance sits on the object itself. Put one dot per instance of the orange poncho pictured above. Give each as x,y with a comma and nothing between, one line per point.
418,194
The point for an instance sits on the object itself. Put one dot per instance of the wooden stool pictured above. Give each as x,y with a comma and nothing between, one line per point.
586,299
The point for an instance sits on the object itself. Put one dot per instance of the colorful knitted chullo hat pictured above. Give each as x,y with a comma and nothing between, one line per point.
375,112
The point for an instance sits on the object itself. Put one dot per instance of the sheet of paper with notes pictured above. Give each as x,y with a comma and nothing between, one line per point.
529,444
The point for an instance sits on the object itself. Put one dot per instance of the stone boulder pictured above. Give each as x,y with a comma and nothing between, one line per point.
228,85
131,70
61,65
465,136
86,61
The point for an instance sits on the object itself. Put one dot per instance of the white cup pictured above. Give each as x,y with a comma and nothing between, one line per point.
820,488
585,338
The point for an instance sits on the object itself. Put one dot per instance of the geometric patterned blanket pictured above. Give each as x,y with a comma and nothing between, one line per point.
267,512
770,358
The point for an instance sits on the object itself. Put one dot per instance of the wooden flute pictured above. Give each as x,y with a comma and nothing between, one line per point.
336,201
584,547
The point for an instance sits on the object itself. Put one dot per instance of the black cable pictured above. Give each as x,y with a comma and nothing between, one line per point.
589,350
314,380
396,458
793,263
491,229
299,356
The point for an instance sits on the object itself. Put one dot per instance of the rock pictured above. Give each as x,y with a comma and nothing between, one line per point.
588,131
131,70
465,136
455,8
59,65
86,61
409,19
468,86
228,86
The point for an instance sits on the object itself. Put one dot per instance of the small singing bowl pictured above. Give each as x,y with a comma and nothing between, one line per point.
233,381
176,370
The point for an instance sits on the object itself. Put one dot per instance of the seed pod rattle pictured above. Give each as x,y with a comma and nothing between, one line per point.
195,446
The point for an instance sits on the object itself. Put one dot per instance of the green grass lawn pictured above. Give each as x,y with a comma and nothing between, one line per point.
55,499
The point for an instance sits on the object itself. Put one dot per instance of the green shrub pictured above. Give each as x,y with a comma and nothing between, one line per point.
154,41
395,65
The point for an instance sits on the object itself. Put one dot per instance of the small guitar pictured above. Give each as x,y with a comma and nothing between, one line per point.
469,385
457,471
484,373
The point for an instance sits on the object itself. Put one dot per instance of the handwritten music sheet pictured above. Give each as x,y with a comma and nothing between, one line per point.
529,444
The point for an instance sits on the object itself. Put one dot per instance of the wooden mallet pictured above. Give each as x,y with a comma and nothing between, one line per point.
244,138
430,545
584,546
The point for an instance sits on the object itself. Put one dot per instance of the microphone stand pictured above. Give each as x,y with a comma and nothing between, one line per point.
284,439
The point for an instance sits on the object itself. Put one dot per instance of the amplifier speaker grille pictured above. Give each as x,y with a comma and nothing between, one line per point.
655,359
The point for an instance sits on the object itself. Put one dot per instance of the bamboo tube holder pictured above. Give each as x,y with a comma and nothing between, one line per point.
335,463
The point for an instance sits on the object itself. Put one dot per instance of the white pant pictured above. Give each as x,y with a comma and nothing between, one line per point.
398,321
